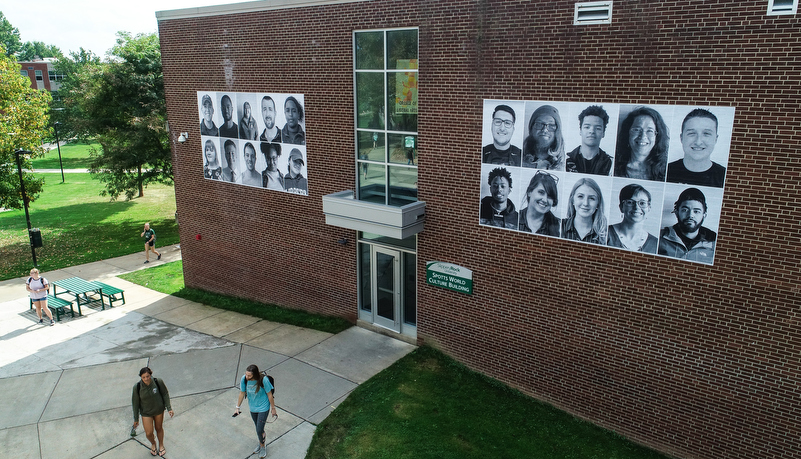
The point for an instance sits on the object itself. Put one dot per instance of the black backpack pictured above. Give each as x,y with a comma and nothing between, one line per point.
269,378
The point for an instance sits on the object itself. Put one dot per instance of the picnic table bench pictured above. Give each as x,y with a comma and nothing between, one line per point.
80,289
58,306
110,292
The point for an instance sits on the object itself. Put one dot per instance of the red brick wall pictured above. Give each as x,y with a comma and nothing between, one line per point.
31,68
697,361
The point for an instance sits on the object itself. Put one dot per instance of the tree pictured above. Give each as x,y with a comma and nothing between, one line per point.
75,69
23,123
33,49
9,36
122,103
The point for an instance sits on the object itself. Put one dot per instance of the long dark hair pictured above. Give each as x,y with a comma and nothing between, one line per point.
254,370
657,158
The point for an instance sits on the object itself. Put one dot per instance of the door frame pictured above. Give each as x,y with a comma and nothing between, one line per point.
393,323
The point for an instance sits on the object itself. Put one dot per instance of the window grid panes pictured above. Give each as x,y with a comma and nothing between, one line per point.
385,79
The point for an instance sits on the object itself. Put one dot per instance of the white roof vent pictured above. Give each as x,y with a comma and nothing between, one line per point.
777,7
596,13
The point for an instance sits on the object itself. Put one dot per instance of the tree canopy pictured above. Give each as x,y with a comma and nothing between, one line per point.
9,36
33,49
23,123
121,102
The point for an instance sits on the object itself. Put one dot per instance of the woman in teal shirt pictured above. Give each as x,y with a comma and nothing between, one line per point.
260,402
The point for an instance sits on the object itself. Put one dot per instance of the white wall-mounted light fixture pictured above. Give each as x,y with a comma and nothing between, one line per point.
182,138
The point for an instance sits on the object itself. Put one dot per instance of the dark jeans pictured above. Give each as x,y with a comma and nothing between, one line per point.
260,419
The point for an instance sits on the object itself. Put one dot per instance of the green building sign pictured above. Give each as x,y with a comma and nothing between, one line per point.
449,276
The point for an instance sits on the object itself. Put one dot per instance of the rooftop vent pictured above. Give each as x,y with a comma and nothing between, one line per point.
596,13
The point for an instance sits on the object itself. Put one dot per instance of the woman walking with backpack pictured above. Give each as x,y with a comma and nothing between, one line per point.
260,402
150,398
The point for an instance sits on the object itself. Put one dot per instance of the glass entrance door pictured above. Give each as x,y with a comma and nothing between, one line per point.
386,288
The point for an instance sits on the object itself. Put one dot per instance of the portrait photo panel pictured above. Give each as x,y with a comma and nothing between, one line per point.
597,136
635,214
228,126
625,198
585,204
500,193
212,168
269,116
236,154
544,143
540,196
689,231
208,109
699,150
502,132
231,158
643,141
246,116
294,128
295,175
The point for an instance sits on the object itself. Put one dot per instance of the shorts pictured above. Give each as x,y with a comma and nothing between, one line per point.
151,243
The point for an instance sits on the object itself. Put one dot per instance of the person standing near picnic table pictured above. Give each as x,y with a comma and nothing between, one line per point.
150,243
150,398
38,287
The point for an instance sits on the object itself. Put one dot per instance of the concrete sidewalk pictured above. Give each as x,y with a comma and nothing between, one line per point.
67,388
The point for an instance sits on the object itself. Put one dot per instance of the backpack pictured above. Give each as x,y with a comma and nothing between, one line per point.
269,378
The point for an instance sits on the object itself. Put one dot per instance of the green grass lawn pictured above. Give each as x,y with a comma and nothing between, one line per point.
79,226
427,406
169,278
74,155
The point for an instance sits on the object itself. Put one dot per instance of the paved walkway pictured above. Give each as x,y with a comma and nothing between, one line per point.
66,389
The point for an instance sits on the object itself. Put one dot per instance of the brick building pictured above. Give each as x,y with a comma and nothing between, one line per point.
699,360
42,74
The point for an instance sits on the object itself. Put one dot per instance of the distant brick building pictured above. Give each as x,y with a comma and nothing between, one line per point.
699,360
42,74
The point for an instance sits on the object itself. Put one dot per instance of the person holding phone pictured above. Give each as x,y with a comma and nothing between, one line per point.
259,392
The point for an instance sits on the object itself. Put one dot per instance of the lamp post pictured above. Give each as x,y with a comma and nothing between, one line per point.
25,201
58,145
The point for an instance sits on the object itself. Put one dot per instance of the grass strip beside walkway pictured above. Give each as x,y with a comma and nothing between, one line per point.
169,278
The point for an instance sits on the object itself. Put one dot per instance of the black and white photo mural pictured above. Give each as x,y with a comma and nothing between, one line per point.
647,178
254,139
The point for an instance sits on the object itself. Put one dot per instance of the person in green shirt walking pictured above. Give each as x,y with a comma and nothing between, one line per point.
150,398
150,243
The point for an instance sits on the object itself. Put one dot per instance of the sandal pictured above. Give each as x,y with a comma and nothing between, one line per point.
162,451
153,450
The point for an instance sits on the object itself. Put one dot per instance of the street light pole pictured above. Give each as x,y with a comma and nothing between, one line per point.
25,202
58,145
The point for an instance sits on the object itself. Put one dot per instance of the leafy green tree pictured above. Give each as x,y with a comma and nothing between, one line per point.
23,123
66,111
33,49
121,102
9,36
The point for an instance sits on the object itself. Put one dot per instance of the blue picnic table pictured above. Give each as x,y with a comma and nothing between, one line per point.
80,289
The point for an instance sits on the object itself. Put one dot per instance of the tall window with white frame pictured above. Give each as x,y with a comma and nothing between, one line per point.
385,82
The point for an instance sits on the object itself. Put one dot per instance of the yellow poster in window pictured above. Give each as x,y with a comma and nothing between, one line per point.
406,88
